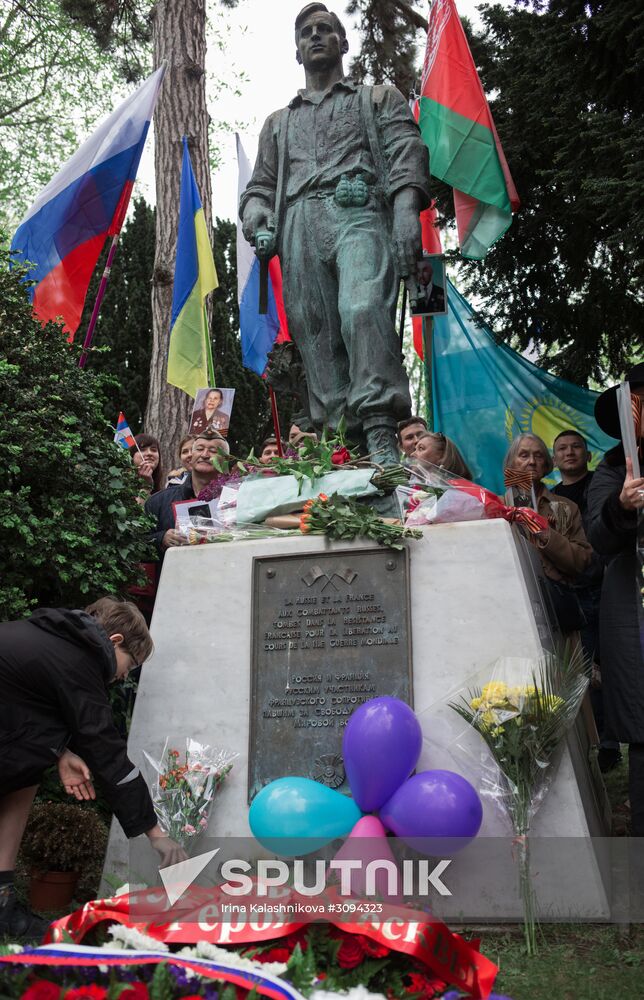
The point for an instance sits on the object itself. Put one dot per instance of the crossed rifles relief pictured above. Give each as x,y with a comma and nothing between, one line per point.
316,573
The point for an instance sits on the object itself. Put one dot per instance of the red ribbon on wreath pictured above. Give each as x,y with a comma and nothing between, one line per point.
411,932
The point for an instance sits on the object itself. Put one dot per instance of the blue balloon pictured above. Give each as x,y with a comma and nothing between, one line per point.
381,746
440,805
293,816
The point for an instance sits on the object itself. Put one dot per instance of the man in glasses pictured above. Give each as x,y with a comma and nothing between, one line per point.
55,668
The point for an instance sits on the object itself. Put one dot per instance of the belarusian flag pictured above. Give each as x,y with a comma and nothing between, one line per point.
464,148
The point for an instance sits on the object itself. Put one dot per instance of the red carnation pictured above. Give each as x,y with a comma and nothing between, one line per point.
351,953
341,456
297,937
90,992
135,991
375,949
422,988
273,955
42,989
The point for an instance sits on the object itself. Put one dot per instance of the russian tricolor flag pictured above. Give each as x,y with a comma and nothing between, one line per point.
258,333
63,233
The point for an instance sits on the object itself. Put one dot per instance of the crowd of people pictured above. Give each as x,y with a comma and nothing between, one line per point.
587,553
55,666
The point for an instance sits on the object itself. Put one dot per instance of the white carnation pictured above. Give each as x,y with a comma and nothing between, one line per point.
203,949
134,940
356,993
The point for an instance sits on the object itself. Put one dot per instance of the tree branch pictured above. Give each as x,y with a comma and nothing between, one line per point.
414,18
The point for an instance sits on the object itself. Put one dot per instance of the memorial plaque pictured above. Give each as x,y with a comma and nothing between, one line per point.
330,631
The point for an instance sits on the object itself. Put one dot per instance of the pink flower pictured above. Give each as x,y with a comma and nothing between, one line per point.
203,822
188,828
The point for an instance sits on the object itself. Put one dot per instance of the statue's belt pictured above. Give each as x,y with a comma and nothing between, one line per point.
349,192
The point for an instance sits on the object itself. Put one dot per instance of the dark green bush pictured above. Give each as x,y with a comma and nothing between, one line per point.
62,837
70,528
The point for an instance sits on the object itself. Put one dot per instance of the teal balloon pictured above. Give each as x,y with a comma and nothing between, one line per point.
292,816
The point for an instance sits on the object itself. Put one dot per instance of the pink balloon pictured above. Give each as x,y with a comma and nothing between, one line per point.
367,843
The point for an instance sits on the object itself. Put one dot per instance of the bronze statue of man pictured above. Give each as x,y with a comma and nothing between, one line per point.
340,178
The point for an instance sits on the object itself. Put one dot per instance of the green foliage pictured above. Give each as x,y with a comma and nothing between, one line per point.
390,42
62,837
566,92
568,104
162,984
54,84
70,527
125,322
251,411
121,28
124,330
344,519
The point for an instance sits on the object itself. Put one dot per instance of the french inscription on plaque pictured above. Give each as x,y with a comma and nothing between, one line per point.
330,631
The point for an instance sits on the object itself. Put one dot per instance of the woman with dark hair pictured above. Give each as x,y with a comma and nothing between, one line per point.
436,449
146,455
179,475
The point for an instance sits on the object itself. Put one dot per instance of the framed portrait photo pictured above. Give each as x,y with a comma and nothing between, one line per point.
431,287
212,410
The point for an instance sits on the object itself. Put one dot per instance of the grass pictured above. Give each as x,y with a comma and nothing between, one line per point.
575,963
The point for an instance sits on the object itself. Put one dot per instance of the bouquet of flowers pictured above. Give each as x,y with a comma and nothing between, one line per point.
343,518
437,496
522,714
184,786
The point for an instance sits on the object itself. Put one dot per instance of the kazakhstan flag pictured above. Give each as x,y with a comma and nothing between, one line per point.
484,394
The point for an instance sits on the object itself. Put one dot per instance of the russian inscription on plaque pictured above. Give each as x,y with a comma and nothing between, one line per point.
330,631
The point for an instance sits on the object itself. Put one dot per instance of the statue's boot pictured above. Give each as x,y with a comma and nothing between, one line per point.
382,440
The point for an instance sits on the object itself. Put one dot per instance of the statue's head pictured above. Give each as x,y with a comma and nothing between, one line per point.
320,36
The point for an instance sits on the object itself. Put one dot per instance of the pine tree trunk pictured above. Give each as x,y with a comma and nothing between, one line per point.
179,38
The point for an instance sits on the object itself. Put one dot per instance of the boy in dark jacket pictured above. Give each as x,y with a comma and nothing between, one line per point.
54,706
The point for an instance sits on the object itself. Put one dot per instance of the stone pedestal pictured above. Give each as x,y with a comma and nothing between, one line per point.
473,599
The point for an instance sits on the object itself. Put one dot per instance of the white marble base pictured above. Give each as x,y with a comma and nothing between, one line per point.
470,605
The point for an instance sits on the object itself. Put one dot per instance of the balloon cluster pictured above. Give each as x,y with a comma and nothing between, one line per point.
435,812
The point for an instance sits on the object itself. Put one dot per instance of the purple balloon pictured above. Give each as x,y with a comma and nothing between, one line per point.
381,746
440,805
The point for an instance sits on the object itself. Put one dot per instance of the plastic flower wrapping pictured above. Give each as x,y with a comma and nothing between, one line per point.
184,784
522,712
437,496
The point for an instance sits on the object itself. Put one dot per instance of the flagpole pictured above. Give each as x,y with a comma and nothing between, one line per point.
276,421
209,362
403,309
428,326
99,298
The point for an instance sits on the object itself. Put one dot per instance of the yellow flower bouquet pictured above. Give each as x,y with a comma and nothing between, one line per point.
523,720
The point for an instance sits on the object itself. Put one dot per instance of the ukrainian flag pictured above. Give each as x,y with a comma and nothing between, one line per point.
189,356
